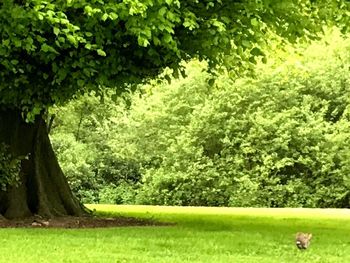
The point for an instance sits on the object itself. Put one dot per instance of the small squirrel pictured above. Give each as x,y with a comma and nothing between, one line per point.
302,240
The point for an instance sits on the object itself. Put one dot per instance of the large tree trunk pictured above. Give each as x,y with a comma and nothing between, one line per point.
43,188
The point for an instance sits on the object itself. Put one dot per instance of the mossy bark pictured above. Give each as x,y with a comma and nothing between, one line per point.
43,188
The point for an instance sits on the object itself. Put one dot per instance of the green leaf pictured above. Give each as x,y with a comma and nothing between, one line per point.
220,26
104,17
252,60
142,41
62,39
88,9
156,40
17,42
168,78
211,82
254,22
162,11
190,23
100,52
80,82
56,31
257,52
6,42
113,16
246,43
167,38
72,39
88,46
46,48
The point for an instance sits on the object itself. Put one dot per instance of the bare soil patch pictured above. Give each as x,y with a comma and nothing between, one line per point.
77,222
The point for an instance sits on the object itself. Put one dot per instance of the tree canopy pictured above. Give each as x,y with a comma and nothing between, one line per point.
51,50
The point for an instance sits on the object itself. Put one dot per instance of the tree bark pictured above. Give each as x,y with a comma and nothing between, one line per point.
43,188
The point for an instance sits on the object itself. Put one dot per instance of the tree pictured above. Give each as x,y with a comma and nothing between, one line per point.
52,50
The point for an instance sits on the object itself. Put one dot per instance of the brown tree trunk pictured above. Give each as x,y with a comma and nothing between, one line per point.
43,188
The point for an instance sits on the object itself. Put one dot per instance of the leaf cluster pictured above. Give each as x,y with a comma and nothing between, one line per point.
9,168
53,50
277,140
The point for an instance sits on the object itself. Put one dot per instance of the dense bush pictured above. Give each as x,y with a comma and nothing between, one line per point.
279,139
80,137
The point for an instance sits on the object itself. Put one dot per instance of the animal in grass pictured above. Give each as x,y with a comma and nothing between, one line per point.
302,240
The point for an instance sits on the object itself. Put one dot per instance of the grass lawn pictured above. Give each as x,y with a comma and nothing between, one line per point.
200,235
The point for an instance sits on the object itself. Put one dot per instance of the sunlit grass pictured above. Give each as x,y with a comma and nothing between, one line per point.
264,212
200,235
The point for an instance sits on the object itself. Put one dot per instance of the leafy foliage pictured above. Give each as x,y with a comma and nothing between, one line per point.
80,136
53,50
278,140
9,167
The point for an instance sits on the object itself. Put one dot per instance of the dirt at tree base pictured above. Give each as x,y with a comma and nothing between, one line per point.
78,222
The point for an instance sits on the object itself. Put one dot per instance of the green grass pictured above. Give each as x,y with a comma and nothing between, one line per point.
200,235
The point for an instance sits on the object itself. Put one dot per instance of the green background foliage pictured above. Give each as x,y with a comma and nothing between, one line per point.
80,135
277,139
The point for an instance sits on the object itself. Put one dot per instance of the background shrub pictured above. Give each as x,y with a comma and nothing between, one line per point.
279,138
